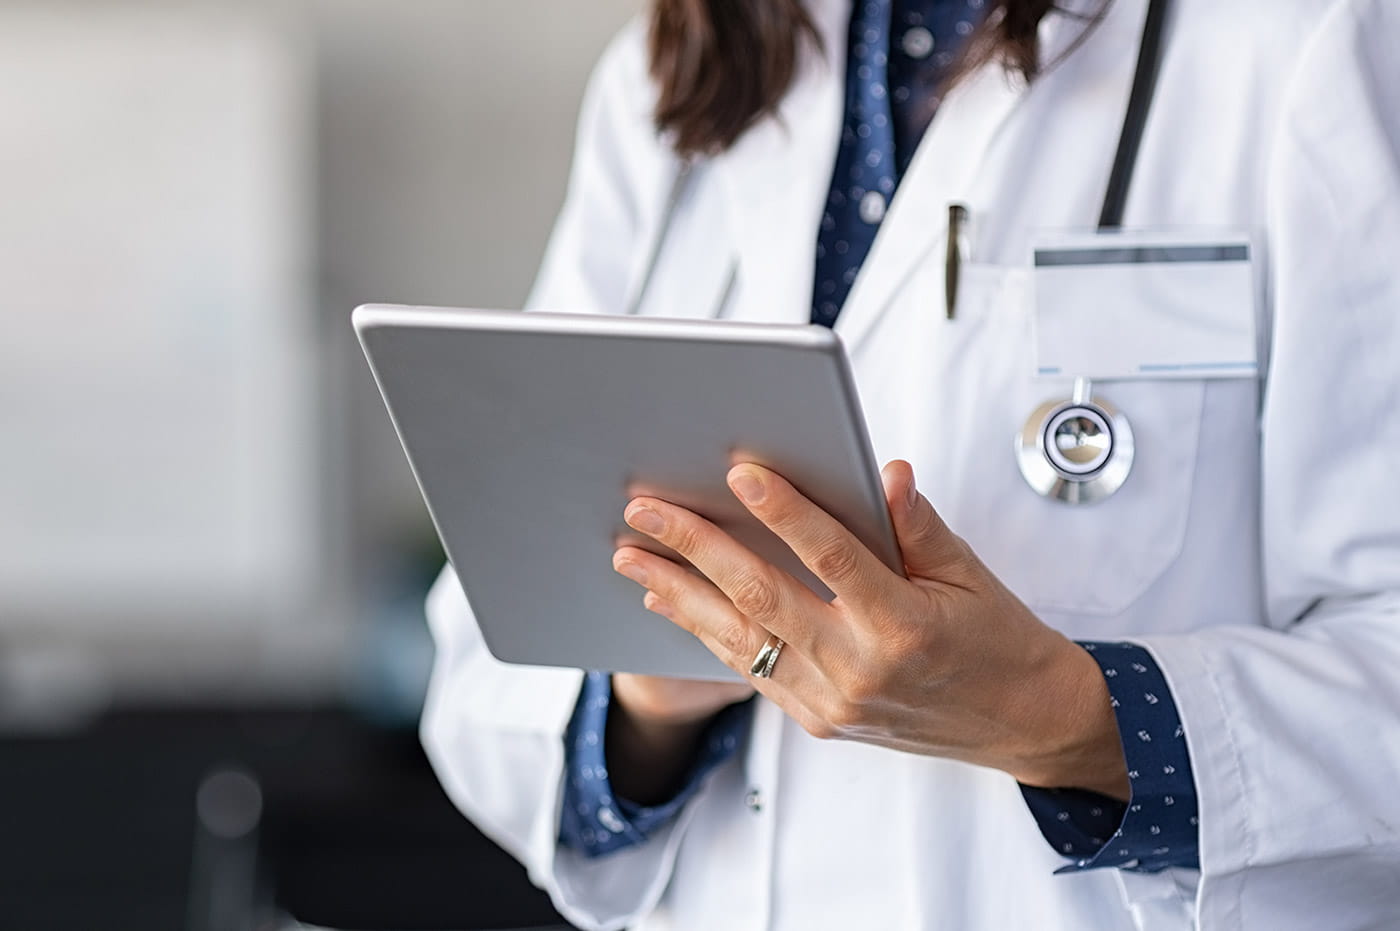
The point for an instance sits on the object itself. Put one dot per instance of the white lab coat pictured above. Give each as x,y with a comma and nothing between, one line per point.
1255,549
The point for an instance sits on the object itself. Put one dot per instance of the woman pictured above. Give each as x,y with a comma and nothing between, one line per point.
1218,744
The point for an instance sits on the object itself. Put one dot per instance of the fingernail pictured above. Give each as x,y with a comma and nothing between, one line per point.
655,604
747,487
911,497
632,571
646,520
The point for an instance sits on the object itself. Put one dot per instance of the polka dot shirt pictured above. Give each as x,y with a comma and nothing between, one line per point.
900,52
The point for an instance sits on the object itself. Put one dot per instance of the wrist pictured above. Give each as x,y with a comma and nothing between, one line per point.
648,760
1077,743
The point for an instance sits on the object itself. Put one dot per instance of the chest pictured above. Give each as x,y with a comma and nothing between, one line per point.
951,395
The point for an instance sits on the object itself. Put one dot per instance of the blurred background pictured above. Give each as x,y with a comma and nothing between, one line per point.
212,553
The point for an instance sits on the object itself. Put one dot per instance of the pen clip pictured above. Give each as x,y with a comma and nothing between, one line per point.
952,271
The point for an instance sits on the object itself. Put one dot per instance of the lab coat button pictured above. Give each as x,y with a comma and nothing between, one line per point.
872,207
753,799
917,42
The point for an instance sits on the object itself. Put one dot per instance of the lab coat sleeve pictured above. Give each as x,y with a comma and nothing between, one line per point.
1294,725
493,731
596,249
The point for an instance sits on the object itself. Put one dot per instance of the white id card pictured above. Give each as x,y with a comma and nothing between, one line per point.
1144,305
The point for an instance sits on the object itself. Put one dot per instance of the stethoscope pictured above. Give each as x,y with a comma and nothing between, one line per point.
1080,450
1076,450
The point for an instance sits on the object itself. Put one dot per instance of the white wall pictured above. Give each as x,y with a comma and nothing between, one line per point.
199,490
158,364
446,131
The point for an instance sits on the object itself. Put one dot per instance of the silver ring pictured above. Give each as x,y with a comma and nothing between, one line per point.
767,658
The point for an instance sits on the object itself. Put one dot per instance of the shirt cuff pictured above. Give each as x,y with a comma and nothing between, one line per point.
1159,825
593,820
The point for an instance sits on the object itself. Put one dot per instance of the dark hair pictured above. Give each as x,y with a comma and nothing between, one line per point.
722,65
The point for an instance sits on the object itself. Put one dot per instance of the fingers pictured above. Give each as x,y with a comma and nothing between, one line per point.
681,596
847,567
695,605
929,548
698,606
758,591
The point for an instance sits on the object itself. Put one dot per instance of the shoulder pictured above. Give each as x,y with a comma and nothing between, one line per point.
1256,61
1332,59
620,88
617,131
1275,32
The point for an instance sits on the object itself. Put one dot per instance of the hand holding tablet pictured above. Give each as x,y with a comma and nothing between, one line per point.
530,433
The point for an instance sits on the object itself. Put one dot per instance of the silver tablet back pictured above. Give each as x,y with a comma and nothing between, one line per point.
529,433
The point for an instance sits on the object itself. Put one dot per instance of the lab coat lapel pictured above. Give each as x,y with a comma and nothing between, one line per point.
774,182
947,166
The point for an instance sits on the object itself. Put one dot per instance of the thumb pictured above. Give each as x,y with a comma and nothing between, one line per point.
929,548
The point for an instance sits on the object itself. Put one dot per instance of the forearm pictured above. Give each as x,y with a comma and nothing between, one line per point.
656,731
649,761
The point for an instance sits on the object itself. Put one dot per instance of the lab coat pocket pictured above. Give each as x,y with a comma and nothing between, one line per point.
1097,559
953,396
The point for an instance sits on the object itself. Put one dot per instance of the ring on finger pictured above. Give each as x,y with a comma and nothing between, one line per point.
767,658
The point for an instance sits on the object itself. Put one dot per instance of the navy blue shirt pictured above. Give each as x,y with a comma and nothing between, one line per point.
900,53
897,62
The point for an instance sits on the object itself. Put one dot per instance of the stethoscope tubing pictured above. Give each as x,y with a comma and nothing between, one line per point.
1036,462
1120,177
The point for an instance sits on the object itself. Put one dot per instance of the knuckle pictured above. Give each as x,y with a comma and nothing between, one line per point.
818,727
958,548
756,596
846,708
857,691
684,538
860,686
901,641
929,526
968,561
782,518
844,716
733,638
658,598
668,587
835,561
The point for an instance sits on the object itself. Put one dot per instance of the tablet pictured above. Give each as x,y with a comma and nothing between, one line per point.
529,433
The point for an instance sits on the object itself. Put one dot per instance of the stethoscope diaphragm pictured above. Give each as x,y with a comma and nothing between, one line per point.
1077,451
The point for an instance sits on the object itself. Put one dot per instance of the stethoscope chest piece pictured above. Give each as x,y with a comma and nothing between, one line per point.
1077,451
